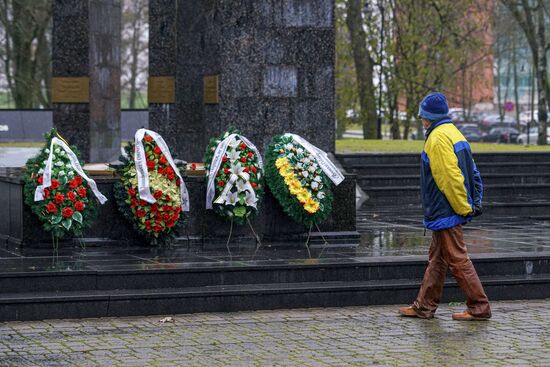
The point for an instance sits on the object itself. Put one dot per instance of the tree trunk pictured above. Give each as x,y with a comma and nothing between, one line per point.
544,88
364,68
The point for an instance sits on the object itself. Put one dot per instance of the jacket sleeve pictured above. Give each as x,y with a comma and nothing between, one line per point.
478,182
448,176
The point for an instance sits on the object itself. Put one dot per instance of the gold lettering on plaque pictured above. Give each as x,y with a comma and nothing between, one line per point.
71,89
161,89
210,89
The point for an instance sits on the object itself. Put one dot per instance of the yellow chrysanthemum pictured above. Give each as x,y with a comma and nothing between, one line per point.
303,196
281,162
289,180
311,206
286,172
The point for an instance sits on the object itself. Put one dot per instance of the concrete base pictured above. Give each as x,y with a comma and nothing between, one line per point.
21,229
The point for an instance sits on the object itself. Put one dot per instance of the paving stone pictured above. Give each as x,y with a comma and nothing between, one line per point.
351,336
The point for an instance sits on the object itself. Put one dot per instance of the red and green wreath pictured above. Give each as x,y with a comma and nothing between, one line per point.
66,206
155,221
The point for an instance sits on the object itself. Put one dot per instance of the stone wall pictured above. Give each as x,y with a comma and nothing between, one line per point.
275,61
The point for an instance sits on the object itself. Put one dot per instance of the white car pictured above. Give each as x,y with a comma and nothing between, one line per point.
533,136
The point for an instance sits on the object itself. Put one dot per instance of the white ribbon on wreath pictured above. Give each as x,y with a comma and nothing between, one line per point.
322,158
142,173
47,176
236,173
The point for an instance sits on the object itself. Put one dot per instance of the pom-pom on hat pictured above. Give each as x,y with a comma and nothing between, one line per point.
434,107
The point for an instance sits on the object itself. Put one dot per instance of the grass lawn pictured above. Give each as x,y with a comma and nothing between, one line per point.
415,146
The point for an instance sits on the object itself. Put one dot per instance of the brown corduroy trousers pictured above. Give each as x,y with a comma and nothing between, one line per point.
448,250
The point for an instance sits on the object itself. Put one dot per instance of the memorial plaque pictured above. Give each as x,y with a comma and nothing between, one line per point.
162,89
71,89
210,89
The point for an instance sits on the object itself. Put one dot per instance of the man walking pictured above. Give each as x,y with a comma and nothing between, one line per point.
452,191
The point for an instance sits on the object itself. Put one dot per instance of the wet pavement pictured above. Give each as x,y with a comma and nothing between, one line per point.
16,156
517,335
385,237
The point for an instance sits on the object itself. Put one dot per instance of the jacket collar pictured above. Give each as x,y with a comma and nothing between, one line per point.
436,124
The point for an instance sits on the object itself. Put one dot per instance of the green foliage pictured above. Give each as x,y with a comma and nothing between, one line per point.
279,148
241,211
81,203
152,228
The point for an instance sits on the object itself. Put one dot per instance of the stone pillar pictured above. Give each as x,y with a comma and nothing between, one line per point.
86,44
275,64
162,64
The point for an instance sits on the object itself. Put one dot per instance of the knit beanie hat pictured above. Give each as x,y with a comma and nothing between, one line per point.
434,107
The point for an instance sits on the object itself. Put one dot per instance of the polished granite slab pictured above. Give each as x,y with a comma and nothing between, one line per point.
390,237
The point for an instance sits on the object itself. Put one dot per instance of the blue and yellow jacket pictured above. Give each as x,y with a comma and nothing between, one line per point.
450,181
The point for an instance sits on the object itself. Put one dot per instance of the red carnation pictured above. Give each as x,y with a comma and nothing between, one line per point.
154,208
224,159
166,217
226,170
67,212
82,192
246,169
243,159
142,203
178,210
161,170
157,194
78,180
221,184
166,197
141,213
73,184
151,164
243,146
175,217
40,179
147,138
79,206
51,208
59,198
157,228
166,208
170,176
131,191
55,184
250,154
178,182
170,223
254,184
169,170
157,150
193,166
46,193
163,160
254,169
71,196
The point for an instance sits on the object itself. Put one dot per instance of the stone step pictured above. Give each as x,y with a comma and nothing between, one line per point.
172,275
414,168
499,192
533,209
224,298
373,158
488,179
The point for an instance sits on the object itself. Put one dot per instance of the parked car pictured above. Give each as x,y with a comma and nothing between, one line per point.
533,136
491,121
471,132
501,135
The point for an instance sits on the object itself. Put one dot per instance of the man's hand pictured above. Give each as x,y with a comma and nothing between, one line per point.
477,211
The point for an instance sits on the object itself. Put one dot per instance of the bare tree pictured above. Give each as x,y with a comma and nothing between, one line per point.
26,50
532,15
364,67
134,48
